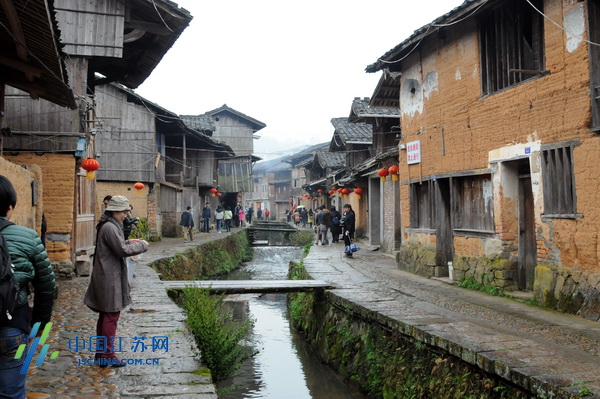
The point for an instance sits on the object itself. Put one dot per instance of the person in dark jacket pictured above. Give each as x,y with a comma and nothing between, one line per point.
187,224
108,291
348,220
335,217
206,214
31,266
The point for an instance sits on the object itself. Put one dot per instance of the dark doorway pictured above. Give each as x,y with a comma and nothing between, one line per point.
443,231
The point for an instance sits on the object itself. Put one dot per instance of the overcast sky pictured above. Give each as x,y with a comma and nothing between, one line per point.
292,66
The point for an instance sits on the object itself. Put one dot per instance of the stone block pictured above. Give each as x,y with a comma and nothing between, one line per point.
83,268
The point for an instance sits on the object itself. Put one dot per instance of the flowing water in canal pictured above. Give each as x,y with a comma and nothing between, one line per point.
285,367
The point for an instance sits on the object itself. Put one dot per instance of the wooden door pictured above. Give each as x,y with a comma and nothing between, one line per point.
444,237
527,244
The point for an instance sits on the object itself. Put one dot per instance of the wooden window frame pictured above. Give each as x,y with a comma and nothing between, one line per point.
558,178
472,206
422,205
594,57
511,41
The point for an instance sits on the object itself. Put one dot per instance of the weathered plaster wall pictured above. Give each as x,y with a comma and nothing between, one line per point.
58,195
441,90
21,177
138,201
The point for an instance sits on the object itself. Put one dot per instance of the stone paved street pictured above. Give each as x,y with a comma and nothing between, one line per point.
530,346
152,314
533,347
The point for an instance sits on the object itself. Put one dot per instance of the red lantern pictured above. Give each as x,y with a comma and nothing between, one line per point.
345,192
331,192
219,194
339,191
383,172
320,191
394,171
138,187
90,165
314,199
213,192
358,191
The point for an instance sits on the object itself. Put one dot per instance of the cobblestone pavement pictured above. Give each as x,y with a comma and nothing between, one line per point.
535,348
152,315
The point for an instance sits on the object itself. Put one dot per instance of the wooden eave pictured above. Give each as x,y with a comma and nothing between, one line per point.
149,33
31,57
467,9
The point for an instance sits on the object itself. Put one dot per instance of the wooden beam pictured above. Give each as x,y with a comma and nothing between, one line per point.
17,31
19,65
157,29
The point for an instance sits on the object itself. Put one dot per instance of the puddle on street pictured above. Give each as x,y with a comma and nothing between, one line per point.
285,367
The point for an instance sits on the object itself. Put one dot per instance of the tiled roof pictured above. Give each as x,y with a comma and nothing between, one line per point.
256,124
352,132
361,110
469,6
203,123
333,160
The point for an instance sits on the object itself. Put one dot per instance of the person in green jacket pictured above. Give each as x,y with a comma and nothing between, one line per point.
31,265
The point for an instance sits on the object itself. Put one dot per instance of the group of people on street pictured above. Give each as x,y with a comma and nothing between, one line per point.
224,219
330,220
108,292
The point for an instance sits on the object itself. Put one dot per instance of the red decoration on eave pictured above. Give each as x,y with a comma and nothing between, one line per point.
358,191
139,186
345,192
383,172
219,194
90,165
394,171
213,192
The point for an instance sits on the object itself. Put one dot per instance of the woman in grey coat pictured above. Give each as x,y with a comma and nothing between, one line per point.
108,292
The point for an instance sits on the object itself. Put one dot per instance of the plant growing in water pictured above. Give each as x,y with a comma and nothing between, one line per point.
217,337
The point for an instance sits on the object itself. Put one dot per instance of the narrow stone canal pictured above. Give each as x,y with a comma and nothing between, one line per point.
284,366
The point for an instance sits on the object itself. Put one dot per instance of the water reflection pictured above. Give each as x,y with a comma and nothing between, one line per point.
285,366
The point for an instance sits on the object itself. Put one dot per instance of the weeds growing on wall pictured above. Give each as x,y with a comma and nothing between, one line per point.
301,238
141,230
471,284
219,339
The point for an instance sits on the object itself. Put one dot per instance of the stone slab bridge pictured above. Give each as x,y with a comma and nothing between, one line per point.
250,286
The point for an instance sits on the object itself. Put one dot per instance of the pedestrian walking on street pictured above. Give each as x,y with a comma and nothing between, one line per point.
241,217
228,215
348,221
206,214
31,266
219,216
259,214
187,224
335,217
108,291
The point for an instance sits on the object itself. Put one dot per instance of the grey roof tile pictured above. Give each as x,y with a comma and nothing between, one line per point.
347,131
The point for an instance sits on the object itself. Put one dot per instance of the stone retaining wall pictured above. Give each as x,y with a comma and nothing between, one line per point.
382,356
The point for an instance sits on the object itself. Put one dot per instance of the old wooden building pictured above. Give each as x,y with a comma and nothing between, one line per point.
133,40
499,105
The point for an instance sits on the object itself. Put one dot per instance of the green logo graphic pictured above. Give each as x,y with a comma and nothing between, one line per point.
37,341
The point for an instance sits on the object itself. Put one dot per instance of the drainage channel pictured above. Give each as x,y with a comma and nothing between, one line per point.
285,366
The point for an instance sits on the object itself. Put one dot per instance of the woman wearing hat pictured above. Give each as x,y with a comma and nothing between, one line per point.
108,292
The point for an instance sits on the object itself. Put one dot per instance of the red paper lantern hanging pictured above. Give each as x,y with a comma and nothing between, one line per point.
383,172
213,192
331,193
139,186
394,171
345,192
219,194
320,191
315,198
339,191
358,191
90,165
